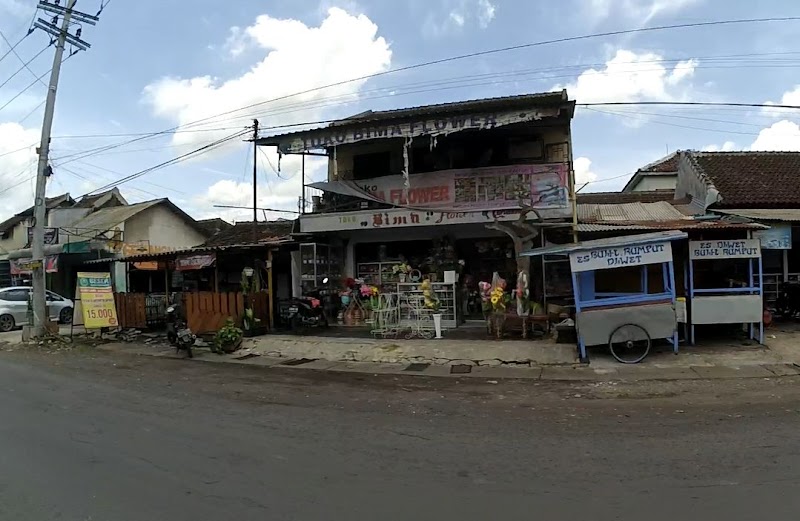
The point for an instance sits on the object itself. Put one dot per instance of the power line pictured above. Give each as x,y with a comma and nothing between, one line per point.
25,66
20,93
12,47
175,160
24,63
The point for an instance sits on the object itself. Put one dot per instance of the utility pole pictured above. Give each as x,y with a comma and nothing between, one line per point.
62,36
255,179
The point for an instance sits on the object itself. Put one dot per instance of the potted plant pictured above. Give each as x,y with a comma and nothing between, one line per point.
432,302
401,270
229,337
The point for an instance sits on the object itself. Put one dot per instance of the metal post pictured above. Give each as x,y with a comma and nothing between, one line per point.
39,202
303,182
690,301
671,267
255,179
270,303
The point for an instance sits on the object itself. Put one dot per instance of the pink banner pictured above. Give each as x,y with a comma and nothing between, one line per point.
475,189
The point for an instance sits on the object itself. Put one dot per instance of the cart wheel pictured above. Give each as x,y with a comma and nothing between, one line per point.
629,343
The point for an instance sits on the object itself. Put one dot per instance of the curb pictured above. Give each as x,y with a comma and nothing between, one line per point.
553,373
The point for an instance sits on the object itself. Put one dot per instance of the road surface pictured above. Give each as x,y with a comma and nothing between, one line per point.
111,437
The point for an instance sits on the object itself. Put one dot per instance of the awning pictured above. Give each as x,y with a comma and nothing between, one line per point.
610,242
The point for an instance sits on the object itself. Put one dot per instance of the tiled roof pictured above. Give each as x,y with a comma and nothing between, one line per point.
752,179
50,203
213,226
625,197
242,233
666,164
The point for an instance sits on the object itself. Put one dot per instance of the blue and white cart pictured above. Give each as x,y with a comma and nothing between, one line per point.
735,304
625,321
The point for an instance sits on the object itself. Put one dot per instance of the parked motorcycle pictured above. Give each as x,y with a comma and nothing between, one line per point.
178,332
788,303
309,310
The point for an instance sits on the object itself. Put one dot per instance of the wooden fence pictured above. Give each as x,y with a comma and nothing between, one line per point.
205,311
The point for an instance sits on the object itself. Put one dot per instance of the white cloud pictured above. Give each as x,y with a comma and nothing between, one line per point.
727,146
17,165
781,136
15,7
629,76
297,58
641,11
583,171
458,14
790,97
486,11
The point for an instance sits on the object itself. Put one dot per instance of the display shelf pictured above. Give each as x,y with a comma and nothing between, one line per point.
317,262
378,273
445,292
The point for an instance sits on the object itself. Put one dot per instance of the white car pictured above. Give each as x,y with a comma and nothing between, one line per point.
14,307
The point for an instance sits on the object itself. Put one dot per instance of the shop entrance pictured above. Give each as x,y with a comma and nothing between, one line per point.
482,257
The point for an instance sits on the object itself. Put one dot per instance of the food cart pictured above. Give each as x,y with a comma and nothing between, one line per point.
626,321
740,302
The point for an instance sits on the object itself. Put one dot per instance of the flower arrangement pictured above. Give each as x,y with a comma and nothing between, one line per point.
402,268
428,297
371,293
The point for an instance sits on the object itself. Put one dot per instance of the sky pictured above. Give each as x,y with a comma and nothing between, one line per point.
156,65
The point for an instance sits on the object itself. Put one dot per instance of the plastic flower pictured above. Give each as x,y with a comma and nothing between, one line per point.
495,299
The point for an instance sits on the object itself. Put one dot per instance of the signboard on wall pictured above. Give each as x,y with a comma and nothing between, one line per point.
437,126
469,189
778,237
398,218
96,297
194,262
725,249
50,235
621,256
25,266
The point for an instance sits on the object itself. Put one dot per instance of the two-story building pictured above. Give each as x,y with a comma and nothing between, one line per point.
420,185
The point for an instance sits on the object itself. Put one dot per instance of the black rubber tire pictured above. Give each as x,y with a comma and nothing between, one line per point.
6,323
65,316
636,359
189,353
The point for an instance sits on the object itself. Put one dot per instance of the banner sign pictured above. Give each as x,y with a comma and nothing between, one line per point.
141,248
728,249
50,236
97,300
778,237
470,189
620,257
25,266
195,262
440,126
399,218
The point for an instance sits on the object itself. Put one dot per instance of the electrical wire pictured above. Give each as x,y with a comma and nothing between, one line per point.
24,63
12,47
181,158
25,66
32,84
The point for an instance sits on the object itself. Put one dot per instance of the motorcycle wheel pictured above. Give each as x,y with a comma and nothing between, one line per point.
189,353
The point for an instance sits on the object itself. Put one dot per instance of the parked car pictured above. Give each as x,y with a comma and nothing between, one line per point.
14,307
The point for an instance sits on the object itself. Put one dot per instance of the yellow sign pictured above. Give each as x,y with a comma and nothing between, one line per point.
97,300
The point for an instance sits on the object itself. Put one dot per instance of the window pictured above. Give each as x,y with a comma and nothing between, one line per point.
366,166
52,297
15,295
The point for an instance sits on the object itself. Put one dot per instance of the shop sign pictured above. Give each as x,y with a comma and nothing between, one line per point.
97,300
141,248
434,126
398,218
621,256
26,266
778,237
195,262
727,249
470,189
50,235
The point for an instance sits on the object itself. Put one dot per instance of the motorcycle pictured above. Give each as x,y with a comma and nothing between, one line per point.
788,303
308,310
178,332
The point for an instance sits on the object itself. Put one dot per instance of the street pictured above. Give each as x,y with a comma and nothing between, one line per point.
97,436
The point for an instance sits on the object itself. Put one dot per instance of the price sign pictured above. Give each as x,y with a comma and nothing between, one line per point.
97,300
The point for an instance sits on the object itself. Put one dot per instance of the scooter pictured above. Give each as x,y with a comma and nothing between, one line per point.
787,304
307,310
178,333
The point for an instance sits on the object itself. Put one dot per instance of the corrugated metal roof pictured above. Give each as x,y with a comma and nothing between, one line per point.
648,196
610,242
765,214
108,218
539,98
164,255
672,225
658,211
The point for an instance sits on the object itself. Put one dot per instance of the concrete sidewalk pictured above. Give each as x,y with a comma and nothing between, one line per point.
574,372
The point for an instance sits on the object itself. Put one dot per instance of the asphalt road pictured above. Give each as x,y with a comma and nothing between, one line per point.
102,437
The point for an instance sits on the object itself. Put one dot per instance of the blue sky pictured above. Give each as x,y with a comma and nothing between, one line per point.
162,64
